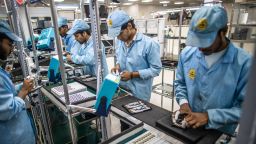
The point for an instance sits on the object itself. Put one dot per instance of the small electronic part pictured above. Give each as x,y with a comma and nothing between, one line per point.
80,97
136,107
73,87
178,119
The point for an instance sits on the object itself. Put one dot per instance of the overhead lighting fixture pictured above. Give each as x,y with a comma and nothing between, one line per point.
145,1
58,0
164,2
127,3
112,6
179,3
67,7
112,3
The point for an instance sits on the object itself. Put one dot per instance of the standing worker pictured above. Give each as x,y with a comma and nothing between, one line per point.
71,45
15,124
85,55
138,56
212,73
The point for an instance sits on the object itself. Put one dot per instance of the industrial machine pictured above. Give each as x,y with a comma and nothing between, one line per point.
46,40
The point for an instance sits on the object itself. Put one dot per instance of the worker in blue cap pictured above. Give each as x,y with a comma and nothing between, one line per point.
15,124
212,73
86,56
138,56
71,45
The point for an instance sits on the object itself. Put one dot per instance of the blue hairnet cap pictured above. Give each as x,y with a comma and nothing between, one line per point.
78,25
5,28
62,21
205,24
115,21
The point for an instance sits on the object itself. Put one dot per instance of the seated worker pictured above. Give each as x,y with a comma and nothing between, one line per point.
138,56
212,73
71,45
15,124
86,56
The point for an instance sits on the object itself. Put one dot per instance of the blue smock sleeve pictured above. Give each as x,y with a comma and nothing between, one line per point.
220,117
180,84
154,61
87,58
10,105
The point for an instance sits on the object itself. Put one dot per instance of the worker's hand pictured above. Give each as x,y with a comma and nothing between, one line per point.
125,75
8,68
184,108
27,86
196,120
69,58
65,53
116,70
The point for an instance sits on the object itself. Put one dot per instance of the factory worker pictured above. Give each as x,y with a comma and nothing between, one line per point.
15,124
71,45
138,56
86,56
212,73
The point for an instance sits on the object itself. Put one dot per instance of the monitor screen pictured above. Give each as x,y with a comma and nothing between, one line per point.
102,10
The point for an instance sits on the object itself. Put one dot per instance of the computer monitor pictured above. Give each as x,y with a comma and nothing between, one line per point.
103,11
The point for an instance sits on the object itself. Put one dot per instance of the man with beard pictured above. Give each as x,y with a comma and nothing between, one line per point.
15,124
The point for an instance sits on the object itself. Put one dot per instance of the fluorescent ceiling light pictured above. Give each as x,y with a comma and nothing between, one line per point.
178,3
112,3
67,7
164,2
146,1
58,0
112,6
133,0
127,3
88,1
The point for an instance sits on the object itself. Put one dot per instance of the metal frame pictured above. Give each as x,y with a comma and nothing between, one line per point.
162,85
98,51
247,130
39,115
62,70
239,6
44,116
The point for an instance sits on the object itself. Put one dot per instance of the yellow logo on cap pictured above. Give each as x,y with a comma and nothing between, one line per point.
110,23
192,74
202,24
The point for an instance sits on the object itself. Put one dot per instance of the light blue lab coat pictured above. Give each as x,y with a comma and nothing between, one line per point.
218,90
72,46
15,124
142,56
86,56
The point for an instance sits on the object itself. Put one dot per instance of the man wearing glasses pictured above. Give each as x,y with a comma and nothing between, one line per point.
15,124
